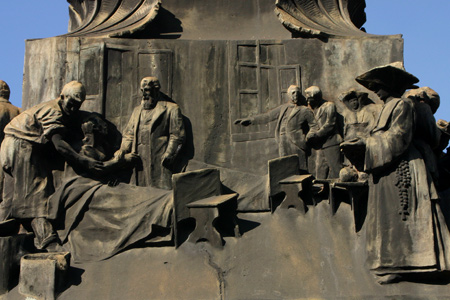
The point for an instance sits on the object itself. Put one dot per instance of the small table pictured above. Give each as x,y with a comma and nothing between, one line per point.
358,193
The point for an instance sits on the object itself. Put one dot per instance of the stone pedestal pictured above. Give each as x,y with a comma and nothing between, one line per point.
10,249
42,275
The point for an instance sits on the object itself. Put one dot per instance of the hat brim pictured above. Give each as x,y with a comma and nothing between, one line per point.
394,78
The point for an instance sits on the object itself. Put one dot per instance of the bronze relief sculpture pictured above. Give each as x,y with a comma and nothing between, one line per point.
295,121
157,199
404,219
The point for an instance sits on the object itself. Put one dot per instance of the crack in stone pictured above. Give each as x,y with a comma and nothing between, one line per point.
220,274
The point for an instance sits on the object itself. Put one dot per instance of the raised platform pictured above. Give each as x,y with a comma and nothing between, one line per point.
285,255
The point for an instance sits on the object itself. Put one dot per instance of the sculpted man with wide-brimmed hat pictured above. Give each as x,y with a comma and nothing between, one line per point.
404,221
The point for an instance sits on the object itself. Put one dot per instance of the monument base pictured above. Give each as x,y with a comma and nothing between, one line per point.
285,255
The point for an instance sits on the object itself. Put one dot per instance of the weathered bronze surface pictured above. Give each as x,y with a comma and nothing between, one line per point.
322,18
204,151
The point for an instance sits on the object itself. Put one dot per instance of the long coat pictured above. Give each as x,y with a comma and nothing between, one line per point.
361,122
326,117
406,231
7,113
299,122
327,158
164,134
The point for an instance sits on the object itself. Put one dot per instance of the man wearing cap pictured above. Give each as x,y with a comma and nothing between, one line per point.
406,231
294,121
359,120
155,132
28,154
327,160
360,115
7,113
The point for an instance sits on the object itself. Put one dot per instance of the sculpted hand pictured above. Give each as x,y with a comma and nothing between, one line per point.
120,154
92,164
131,157
116,163
353,143
243,122
311,137
167,160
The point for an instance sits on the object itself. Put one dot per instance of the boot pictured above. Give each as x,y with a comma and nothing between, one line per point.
44,233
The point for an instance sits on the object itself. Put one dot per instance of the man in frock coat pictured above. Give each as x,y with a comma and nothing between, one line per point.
294,121
155,132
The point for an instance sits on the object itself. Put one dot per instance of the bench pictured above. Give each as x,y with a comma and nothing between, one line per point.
285,176
198,195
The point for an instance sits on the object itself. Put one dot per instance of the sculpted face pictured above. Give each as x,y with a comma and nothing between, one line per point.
150,88
313,96
353,104
72,97
99,126
313,101
294,94
150,91
382,93
4,90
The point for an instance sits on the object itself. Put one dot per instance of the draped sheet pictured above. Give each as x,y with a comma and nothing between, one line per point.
97,221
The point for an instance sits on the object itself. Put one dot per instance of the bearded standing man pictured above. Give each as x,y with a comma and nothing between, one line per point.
156,134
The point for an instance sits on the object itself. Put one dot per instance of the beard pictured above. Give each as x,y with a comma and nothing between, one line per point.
148,103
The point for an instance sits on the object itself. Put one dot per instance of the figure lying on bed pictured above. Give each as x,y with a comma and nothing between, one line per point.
97,216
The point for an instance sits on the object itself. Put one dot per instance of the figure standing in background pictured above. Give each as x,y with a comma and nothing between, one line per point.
427,135
294,121
360,115
156,133
327,160
7,113
443,158
359,119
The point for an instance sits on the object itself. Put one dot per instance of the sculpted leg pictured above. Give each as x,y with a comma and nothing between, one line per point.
44,233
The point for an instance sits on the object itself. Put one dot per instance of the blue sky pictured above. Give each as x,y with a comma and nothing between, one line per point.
424,25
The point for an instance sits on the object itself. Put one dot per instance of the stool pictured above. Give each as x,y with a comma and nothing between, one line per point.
209,212
298,192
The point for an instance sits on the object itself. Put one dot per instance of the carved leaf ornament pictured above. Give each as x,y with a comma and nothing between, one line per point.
110,18
322,18
304,18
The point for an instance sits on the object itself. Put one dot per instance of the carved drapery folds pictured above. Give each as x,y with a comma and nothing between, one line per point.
111,18
322,18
